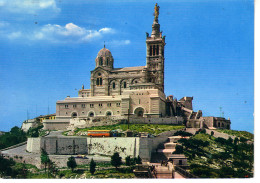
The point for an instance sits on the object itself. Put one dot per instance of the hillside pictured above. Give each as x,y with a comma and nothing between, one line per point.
149,128
211,157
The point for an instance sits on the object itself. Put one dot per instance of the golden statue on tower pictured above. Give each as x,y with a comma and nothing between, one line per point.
156,12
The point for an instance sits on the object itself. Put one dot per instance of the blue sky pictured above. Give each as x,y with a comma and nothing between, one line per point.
48,48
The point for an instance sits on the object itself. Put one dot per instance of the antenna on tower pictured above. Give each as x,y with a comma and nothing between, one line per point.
27,115
48,107
220,109
36,110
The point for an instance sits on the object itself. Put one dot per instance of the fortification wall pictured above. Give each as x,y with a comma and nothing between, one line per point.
54,125
125,146
216,133
167,120
64,145
34,145
27,125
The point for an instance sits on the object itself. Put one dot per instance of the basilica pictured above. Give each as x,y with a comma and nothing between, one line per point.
135,94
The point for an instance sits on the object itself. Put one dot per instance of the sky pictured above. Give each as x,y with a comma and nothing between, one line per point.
48,48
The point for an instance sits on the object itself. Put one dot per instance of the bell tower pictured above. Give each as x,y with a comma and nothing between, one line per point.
155,53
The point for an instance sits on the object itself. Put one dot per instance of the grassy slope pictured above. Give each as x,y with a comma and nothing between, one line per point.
150,128
244,134
212,157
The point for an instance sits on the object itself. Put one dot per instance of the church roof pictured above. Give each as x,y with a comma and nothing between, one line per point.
104,52
138,68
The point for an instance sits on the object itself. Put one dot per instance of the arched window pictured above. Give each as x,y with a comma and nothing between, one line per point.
114,85
124,84
99,80
101,61
153,49
109,113
150,51
157,50
107,60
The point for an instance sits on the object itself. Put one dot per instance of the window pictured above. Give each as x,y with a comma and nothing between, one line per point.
107,60
124,84
74,105
153,49
150,51
83,105
99,81
108,104
114,85
91,105
100,61
180,162
66,106
157,50
100,105
109,113
118,104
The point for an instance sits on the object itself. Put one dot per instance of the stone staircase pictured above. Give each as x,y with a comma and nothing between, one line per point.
163,153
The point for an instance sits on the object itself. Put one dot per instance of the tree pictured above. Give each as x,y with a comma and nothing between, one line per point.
116,160
52,168
212,133
92,167
6,167
71,163
178,149
138,160
128,161
44,158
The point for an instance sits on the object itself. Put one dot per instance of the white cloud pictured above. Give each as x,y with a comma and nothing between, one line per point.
14,35
28,6
120,42
70,33
3,24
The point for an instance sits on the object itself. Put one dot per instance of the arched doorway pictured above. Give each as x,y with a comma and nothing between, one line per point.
91,114
108,113
74,115
139,112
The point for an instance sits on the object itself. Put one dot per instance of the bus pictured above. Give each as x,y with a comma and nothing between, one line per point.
99,133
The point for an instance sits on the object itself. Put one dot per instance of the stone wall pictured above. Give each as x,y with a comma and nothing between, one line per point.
64,145
27,125
166,120
34,145
125,146
216,133
57,124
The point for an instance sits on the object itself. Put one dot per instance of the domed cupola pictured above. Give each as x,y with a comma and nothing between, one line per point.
105,59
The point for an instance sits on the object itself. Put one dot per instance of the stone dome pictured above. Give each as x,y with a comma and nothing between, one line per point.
104,52
104,59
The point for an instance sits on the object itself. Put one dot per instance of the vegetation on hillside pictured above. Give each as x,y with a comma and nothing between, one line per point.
149,128
15,136
243,134
211,157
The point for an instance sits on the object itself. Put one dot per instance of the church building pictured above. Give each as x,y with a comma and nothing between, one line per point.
130,92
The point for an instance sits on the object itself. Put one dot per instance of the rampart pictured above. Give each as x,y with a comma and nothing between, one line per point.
125,146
